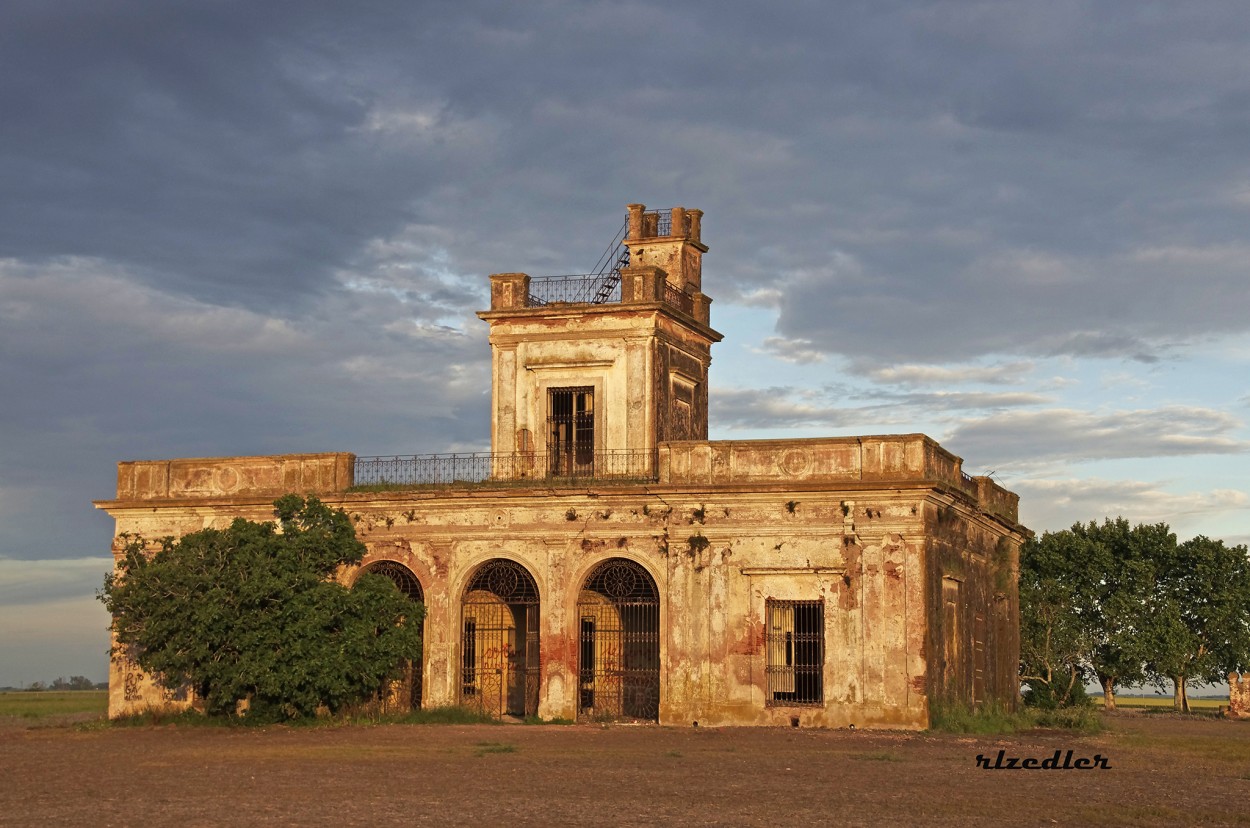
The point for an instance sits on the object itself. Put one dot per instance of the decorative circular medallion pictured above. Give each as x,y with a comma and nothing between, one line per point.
795,462
228,478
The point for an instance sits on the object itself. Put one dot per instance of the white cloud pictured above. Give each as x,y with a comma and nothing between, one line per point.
120,307
779,408
967,400
38,581
920,374
798,351
1053,504
1076,435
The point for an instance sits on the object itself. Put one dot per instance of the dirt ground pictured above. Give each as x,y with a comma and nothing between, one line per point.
1164,770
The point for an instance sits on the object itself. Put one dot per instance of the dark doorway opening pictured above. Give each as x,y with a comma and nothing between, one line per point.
619,645
499,666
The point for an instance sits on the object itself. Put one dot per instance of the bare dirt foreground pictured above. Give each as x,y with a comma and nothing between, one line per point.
1164,771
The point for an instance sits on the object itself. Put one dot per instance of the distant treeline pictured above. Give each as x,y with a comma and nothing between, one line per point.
61,683
1127,605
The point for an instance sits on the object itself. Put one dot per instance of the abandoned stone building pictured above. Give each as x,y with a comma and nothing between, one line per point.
606,560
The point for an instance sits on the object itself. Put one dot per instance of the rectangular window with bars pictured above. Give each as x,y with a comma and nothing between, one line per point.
571,430
795,640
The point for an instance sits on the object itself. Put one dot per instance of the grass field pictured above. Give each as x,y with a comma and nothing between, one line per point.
1165,703
46,704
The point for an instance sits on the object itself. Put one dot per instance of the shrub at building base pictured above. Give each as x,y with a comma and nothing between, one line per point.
250,614
1068,691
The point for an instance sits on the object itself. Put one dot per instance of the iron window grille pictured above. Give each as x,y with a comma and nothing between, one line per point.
571,431
619,653
499,656
795,641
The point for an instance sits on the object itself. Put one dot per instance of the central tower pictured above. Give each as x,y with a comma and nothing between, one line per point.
590,373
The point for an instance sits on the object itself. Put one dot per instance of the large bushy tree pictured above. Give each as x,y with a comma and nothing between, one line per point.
1083,603
1200,614
251,612
1123,577
1128,603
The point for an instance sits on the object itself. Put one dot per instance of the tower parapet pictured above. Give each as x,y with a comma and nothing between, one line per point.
669,240
614,361
663,264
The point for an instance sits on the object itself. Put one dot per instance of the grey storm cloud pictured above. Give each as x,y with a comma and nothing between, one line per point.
232,227
239,227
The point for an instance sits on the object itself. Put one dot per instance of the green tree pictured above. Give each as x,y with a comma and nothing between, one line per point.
1054,645
251,612
1122,574
1083,605
1201,615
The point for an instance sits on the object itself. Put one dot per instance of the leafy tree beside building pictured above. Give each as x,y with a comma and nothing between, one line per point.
1083,594
1126,604
252,613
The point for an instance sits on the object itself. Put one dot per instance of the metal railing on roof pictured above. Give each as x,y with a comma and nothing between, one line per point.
603,284
574,467
583,289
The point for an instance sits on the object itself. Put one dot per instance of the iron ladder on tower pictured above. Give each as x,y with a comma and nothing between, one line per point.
616,256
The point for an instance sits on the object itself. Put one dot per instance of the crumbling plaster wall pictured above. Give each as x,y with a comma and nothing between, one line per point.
873,527
631,357
863,553
1238,696
975,659
787,545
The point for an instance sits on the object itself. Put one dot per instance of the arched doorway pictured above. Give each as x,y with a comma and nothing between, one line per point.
406,692
618,621
499,670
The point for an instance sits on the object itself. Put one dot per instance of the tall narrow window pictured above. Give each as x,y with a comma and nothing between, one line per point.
469,658
571,430
683,394
795,640
587,676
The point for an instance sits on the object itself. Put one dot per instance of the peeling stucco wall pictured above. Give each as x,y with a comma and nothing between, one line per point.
781,526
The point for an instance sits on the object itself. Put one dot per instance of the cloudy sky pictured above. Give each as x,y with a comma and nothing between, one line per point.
240,227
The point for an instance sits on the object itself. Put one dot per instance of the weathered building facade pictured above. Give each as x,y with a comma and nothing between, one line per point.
606,560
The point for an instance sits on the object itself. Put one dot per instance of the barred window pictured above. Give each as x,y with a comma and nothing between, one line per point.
795,639
571,430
